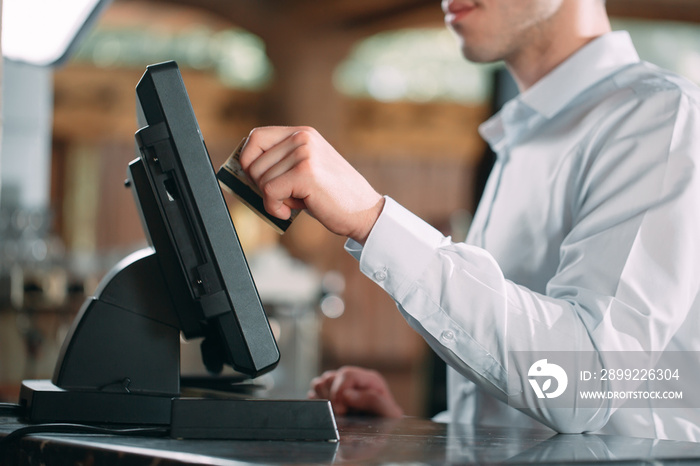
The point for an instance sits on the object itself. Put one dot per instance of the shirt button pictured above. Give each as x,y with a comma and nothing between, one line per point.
448,335
380,275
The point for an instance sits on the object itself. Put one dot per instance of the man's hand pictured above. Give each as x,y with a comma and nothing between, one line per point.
295,168
354,389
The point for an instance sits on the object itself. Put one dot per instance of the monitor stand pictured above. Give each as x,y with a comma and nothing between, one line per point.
120,364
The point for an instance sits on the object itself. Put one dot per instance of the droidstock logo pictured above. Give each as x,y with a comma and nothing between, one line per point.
542,370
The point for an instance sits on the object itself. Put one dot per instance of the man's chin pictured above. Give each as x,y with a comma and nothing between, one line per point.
479,55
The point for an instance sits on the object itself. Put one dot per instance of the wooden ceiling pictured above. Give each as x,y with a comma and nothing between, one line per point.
343,16
670,10
366,16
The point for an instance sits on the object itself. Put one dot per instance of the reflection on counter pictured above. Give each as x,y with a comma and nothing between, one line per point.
373,441
422,442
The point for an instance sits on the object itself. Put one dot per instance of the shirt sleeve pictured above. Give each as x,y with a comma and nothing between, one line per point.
628,277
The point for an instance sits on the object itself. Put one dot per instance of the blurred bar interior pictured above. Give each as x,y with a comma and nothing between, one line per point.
381,79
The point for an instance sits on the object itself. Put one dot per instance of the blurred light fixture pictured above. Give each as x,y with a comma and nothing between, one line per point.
236,56
419,65
44,32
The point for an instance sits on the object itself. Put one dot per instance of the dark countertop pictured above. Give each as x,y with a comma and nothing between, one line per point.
362,440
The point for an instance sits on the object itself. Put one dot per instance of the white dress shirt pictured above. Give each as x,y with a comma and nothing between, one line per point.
587,239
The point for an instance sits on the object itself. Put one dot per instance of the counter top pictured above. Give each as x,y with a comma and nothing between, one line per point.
362,440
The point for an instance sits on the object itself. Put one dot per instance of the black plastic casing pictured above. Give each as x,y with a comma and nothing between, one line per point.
199,252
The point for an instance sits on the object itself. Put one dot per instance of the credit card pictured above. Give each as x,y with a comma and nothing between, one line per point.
233,179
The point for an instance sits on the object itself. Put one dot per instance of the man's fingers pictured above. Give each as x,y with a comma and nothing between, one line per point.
275,160
269,158
321,385
343,381
355,389
370,401
262,140
279,196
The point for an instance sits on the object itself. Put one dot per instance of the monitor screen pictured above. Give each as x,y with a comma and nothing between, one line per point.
190,228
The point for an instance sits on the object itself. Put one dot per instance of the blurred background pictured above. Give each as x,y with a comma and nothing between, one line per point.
381,79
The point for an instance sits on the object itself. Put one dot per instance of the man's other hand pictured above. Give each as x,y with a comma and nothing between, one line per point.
355,390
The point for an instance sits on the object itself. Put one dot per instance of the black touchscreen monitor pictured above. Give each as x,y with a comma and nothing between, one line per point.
120,361
192,233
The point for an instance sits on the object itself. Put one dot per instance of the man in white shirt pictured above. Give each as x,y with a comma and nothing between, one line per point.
586,241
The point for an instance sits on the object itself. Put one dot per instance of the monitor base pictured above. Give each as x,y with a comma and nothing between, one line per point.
188,418
252,419
45,402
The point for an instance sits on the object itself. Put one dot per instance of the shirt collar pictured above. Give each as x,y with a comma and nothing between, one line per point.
592,63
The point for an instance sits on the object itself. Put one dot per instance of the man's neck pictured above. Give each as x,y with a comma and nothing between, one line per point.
552,43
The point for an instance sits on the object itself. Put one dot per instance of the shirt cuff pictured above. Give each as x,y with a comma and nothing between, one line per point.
398,249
